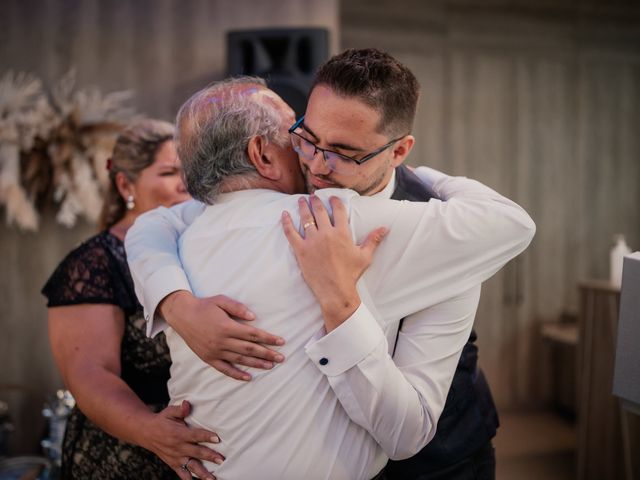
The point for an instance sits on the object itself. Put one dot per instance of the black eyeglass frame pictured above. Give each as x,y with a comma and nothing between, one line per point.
360,161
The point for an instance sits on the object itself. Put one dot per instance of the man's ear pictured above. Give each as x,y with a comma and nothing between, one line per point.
401,150
261,156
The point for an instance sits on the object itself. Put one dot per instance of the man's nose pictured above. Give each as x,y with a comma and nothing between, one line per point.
317,165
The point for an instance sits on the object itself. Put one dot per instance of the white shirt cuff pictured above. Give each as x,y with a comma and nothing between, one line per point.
347,345
160,284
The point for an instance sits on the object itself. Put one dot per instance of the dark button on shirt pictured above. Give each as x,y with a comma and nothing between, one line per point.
324,361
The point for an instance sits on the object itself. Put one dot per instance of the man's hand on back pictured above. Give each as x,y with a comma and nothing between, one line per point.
330,261
207,326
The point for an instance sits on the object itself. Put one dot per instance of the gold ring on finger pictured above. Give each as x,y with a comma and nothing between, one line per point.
308,224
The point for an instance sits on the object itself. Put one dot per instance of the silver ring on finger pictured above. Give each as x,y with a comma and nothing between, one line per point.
185,467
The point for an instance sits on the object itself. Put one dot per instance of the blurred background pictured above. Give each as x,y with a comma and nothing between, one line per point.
539,99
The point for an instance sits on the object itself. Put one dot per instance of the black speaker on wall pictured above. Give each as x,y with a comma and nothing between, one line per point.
285,57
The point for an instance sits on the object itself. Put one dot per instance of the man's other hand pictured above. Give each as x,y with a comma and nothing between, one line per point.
330,261
207,326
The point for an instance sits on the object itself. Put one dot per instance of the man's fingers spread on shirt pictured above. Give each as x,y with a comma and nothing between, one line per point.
340,216
320,213
229,370
257,336
373,240
307,222
237,330
244,360
293,236
234,308
255,350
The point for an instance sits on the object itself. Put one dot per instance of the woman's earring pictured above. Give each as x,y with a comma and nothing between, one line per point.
130,203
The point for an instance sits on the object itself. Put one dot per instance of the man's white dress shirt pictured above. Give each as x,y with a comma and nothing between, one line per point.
339,404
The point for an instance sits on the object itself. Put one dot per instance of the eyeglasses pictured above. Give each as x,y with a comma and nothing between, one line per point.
337,162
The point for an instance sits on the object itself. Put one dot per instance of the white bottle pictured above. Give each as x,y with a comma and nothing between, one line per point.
617,254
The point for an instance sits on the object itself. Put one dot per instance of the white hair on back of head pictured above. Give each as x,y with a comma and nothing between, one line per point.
214,127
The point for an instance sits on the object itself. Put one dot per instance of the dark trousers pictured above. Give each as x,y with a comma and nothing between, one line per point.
379,476
481,465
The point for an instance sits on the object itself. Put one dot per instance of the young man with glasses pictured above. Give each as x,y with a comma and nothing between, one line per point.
356,134
357,84
336,162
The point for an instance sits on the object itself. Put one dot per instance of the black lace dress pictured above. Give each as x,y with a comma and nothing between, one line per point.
97,272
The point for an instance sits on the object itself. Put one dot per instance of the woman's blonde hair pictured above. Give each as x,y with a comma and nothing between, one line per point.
135,150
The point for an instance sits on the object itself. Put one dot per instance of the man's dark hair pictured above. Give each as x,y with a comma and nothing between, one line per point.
379,80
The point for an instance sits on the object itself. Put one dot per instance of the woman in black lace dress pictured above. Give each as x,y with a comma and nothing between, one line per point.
97,333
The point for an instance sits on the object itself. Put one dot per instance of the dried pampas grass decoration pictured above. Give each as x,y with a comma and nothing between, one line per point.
54,147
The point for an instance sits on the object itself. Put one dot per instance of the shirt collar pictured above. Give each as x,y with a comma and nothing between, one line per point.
387,191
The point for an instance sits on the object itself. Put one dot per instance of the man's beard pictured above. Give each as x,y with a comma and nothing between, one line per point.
311,187
368,188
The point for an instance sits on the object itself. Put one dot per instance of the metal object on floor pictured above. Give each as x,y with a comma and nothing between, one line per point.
6,427
25,468
57,410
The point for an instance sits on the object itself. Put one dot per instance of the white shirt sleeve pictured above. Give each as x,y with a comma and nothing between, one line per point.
152,253
433,265
397,400
438,249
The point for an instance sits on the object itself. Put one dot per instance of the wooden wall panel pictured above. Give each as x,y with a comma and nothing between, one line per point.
162,50
608,146
539,100
27,372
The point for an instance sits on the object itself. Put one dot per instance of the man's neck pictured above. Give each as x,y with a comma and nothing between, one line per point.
389,186
252,182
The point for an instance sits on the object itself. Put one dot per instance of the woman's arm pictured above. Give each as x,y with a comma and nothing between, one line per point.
85,341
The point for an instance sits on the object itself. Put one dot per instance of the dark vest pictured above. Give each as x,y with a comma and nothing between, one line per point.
469,419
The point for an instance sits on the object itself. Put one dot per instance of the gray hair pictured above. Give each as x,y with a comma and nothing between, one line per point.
214,128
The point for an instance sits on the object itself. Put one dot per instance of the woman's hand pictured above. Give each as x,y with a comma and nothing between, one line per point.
206,326
330,261
170,438
85,341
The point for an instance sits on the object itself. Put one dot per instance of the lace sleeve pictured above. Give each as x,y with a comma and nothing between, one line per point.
86,275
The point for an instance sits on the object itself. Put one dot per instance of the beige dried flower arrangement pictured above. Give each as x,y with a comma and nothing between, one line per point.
54,147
